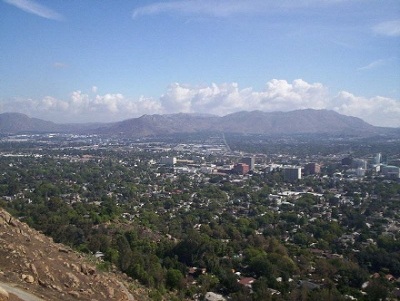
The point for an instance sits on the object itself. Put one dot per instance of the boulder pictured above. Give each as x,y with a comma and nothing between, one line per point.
63,250
74,294
87,270
33,269
75,267
28,278
57,288
72,280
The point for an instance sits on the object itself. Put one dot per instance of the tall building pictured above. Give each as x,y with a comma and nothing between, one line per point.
291,173
359,163
250,161
312,168
241,168
378,158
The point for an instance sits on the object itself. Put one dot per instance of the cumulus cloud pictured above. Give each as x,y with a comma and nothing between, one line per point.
388,28
37,9
218,99
37,108
84,107
50,103
378,110
227,98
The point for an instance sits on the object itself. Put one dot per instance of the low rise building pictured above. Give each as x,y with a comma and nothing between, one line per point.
168,160
390,171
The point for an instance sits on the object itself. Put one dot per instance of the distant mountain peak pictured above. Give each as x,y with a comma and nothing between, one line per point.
305,121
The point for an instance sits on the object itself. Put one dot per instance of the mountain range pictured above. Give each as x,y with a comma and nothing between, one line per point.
306,121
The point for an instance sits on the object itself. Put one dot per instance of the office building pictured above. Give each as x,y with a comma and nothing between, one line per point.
390,171
250,161
291,173
378,158
241,168
312,168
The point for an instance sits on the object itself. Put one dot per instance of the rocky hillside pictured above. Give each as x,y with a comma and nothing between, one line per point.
255,122
158,125
16,122
294,122
31,264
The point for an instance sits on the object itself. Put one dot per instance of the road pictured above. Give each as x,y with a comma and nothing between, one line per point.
20,293
226,143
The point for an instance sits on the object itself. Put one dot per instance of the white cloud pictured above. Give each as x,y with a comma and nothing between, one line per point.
373,65
42,107
220,8
227,98
218,99
378,110
79,101
388,28
224,8
32,7
110,102
50,103
84,107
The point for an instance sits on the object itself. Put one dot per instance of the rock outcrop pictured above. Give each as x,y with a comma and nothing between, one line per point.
51,271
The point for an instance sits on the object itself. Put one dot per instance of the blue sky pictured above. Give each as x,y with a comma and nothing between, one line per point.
78,61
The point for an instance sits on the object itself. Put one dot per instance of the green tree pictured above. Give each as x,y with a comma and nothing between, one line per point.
174,279
125,253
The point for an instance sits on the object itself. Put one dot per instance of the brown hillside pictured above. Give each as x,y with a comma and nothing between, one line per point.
33,263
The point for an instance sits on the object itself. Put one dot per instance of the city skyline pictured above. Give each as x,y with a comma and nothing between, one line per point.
101,61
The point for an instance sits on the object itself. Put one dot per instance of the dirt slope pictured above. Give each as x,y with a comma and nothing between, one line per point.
34,263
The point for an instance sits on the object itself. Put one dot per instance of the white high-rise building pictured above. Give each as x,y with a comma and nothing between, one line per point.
359,163
378,158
